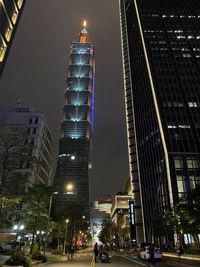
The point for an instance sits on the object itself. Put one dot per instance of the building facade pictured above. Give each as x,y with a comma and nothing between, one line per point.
161,61
72,178
10,13
121,212
38,141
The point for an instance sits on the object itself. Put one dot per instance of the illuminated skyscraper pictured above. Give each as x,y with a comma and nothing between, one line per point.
72,179
161,59
10,13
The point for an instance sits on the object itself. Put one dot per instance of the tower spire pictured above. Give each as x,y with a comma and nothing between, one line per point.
83,36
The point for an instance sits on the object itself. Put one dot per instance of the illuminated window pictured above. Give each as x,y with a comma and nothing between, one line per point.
2,52
171,126
8,34
193,104
184,126
186,55
192,163
14,16
180,37
178,162
19,3
192,182
180,184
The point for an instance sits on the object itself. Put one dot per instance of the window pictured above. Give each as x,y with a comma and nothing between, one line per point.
192,104
32,141
171,126
36,120
178,162
34,130
184,126
180,185
192,163
192,182
30,121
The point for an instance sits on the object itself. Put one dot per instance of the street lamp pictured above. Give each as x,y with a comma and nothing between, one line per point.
65,240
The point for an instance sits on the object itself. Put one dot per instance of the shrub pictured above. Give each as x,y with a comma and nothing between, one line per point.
19,258
39,257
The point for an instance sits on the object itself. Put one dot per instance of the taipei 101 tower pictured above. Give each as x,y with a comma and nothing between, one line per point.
72,178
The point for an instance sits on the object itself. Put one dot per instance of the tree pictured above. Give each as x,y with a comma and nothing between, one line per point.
15,154
35,210
182,219
108,233
76,223
189,210
9,207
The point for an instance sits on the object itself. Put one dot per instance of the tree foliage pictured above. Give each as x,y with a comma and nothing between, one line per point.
109,232
183,218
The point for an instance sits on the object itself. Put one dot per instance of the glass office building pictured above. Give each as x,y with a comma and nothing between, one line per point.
10,13
161,60
72,178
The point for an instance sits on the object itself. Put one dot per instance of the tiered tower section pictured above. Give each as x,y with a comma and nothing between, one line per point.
78,108
72,179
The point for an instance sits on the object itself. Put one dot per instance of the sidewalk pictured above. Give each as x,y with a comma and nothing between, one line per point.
79,255
184,256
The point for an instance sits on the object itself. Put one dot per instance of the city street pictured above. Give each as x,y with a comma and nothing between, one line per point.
83,259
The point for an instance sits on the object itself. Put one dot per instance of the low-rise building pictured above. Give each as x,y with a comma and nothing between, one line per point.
120,210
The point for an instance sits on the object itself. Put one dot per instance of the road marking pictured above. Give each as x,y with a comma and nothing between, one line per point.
134,261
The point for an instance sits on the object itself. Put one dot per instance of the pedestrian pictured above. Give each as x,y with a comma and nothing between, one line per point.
96,252
101,250
71,251
151,249
179,248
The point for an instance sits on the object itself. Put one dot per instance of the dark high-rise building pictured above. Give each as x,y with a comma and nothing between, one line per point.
71,178
161,60
10,13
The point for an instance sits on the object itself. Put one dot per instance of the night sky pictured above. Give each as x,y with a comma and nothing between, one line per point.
36,70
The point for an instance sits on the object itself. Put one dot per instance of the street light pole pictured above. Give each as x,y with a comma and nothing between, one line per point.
49,217
50,204
65,240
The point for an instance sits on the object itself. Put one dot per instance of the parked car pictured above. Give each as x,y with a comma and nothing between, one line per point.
145,255
9,247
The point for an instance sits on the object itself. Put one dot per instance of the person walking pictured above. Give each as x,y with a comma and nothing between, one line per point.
70,252
179,249
96,252
151,252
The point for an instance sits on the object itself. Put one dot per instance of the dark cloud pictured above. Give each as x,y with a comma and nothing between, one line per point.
37,67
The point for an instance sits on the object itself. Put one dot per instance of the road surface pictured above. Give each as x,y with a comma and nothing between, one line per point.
83,259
